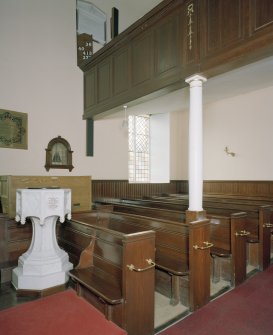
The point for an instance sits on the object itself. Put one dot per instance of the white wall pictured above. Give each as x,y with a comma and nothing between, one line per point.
179,121
39,76
244,124
160,148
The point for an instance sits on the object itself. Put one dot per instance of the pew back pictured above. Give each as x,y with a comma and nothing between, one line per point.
172,239
220,231
259,218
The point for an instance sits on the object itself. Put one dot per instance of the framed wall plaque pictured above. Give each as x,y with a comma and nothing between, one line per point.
13,129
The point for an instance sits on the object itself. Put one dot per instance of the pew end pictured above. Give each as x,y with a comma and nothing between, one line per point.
118,279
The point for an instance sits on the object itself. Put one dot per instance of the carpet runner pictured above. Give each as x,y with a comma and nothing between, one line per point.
60,313
246,310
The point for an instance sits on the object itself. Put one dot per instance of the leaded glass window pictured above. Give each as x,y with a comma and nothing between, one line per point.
139,148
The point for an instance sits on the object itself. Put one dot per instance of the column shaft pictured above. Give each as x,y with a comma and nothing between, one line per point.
196,143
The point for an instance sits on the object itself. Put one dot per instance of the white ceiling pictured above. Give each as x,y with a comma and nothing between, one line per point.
248,78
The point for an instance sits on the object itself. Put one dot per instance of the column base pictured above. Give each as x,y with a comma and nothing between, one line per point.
195,215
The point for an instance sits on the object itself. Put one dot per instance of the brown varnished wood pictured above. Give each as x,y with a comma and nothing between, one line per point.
245,188
238,249
172,215
258,189
15,239
257,217
173,41
220,233
171,238
80,190
138,288
125,297
122,188
86,258
265,229
199,262
172,242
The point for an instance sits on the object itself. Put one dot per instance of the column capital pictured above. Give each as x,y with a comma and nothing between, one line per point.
196,80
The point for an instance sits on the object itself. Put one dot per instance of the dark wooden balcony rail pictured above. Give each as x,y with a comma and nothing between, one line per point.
176,39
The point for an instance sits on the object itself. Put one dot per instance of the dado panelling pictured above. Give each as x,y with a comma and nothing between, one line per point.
90,89
124,189
241,188
104,81
121,71
167,46
261,15
234,33
142,58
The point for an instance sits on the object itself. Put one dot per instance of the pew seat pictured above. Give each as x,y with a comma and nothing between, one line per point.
100,283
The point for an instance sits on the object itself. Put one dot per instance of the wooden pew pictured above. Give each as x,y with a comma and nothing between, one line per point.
249,200
173,250
115,273
229,242
258,219
15,239
258,225
225,235
171,245
118,205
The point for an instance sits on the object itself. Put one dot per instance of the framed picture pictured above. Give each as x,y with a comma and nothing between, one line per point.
13,129
58,154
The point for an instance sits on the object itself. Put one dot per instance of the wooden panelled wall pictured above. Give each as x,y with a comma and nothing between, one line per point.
176,39
124,189
244,188
121,188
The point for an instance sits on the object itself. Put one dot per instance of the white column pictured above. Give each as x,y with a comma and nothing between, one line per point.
196,143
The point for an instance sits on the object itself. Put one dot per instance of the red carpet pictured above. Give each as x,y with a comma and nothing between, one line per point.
61,313
246,310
